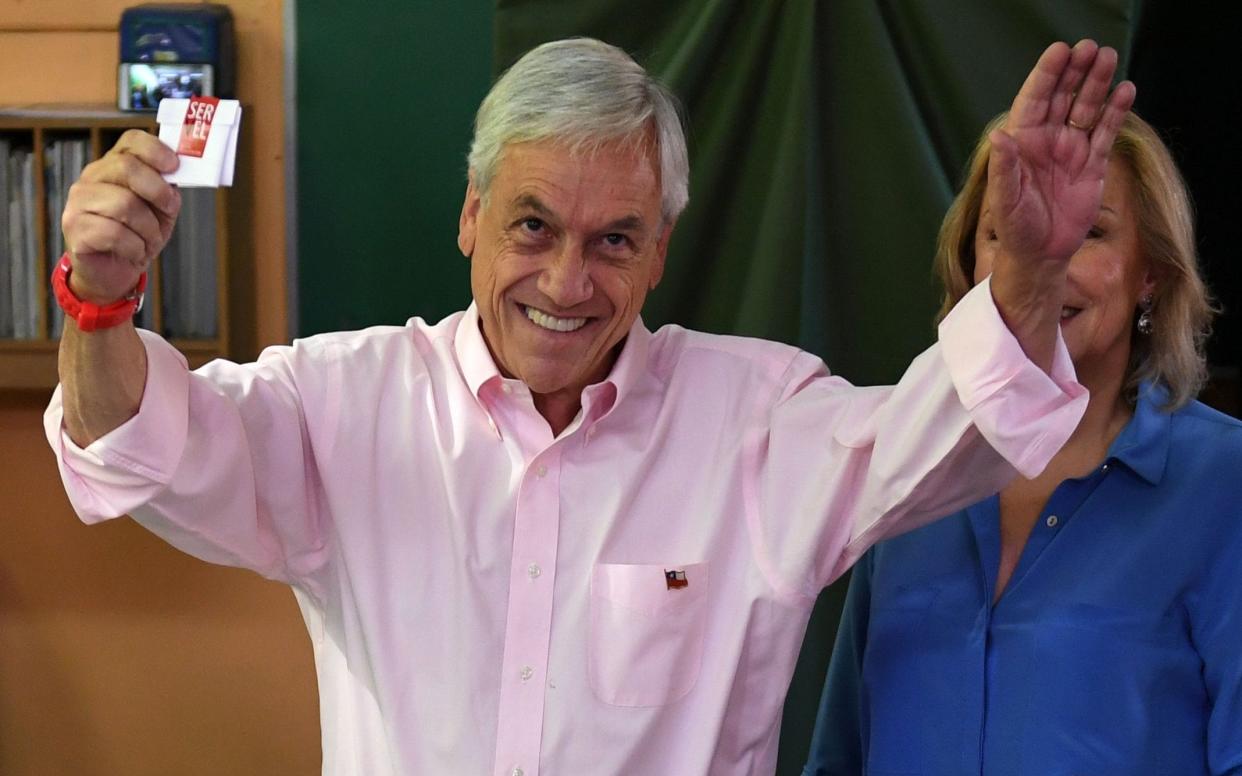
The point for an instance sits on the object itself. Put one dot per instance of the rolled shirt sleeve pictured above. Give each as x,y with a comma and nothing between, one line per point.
129,465
224,454
841,467
1025,414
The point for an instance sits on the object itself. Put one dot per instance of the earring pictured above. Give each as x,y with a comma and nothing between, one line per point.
1145,323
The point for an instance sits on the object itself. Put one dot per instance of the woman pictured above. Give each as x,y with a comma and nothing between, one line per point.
1088,621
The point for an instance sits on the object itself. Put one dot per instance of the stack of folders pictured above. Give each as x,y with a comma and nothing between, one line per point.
63,160
187,265
188,268
20,278
19,309
8,264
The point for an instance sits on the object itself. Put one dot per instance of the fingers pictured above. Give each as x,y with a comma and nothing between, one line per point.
148,148
99,236
1032,103
119,215
108,257
1109,124
1004,172
125,187
1066,86
121,205
1083,59
1093,91
136,165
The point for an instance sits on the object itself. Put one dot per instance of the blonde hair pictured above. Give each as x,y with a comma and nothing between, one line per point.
1173,354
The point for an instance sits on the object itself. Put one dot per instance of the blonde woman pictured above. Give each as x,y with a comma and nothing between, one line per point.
1088,621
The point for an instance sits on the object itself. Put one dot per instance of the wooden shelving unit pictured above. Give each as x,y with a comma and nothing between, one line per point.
31,363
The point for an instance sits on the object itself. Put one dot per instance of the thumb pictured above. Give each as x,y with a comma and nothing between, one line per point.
1004,172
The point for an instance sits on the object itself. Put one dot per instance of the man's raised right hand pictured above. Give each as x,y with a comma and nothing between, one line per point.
119,215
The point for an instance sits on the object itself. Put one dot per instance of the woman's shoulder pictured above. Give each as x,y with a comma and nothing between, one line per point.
1204,459
1201,426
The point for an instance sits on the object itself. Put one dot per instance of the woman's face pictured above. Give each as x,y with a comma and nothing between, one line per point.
1107,278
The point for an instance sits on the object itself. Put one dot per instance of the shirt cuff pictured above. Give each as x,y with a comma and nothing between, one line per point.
124,468
1023,412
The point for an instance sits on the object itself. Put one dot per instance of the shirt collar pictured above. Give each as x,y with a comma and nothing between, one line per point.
1143,445
630,367
478,367
473,355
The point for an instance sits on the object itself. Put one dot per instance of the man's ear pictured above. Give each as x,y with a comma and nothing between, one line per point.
657,269
468,224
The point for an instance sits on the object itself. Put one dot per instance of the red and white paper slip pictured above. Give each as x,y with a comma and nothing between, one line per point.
203,132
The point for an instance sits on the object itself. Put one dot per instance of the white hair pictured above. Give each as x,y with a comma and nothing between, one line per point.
582,93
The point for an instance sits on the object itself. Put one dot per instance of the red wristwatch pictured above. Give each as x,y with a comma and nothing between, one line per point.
90,316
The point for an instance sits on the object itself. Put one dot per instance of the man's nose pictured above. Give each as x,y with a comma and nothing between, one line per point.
566,280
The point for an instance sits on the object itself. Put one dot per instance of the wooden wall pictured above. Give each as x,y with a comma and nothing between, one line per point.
119,655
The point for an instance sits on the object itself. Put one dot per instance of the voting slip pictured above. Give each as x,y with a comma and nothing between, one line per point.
203,132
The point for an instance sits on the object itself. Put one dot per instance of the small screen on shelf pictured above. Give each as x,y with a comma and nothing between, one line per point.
141,86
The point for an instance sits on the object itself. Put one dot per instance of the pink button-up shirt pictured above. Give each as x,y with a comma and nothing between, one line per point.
628,597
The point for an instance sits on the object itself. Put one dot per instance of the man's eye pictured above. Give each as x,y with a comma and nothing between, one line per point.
1095,233
615,240
532,224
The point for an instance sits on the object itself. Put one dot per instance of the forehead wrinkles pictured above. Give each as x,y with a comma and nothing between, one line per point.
601,186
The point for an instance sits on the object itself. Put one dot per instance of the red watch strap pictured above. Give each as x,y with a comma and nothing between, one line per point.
89,316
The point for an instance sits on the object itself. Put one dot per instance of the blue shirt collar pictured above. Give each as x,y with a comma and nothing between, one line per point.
1143,445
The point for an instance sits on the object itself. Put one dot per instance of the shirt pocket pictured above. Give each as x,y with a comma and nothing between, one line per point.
646,633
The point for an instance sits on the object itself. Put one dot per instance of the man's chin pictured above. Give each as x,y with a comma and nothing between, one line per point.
551,382
561,373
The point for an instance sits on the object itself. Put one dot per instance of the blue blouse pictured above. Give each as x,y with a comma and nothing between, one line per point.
1115,650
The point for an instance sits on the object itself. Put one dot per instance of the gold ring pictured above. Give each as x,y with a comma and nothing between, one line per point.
1076,125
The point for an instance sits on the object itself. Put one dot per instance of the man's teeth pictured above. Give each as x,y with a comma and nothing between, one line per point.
540,318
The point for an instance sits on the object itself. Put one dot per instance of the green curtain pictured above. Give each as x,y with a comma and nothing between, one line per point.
386,95
826,141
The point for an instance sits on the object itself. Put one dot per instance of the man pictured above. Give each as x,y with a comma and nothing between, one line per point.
536,537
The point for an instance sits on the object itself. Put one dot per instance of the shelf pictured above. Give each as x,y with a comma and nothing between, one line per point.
31,364
199,293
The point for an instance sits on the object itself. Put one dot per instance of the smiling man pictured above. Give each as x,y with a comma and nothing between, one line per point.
562,259
536,537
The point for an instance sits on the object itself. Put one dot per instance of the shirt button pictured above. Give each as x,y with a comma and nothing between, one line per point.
1104,468
533,570
506,388
591,432
526,673
518,772
541,470
1052,521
